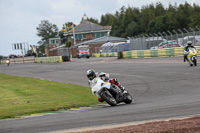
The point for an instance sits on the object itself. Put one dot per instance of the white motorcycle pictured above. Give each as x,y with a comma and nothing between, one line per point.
7,62
108,92
192,56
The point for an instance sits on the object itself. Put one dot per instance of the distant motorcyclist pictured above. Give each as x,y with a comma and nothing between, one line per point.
8,61
186,50
91,74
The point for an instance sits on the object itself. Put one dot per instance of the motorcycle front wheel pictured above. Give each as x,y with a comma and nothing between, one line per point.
195,62
127,98
106,96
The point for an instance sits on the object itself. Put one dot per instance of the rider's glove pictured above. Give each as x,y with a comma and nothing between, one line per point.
185,52
102,74
115,80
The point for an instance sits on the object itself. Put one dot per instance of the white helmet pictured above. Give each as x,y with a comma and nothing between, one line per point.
189,43
91,74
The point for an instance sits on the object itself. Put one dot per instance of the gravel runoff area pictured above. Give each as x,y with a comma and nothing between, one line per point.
178,125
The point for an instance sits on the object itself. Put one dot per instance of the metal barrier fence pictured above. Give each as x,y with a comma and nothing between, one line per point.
63,52
160,39
156,40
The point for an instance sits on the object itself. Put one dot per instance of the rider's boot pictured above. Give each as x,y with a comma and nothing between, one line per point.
185,58
116,82
122,88
100,100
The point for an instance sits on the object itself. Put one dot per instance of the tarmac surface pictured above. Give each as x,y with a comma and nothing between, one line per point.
162,88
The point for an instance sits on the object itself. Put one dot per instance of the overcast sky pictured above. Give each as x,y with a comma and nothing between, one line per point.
19,18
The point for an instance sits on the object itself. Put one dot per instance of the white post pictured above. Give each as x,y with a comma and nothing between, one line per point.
176,35
182,36
193,35
74,34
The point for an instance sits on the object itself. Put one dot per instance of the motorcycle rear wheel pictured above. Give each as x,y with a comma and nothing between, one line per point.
106,96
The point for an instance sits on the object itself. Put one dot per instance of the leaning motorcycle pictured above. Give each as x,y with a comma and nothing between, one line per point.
108,92
8,62
192,56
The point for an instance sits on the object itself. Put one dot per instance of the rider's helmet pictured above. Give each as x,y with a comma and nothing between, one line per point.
91,74
189,43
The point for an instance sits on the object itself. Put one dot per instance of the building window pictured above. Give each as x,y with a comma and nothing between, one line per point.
93,35
57,41
98,34
78,36
84,36
102,33
52,41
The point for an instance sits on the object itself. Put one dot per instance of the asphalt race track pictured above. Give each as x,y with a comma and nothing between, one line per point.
162,88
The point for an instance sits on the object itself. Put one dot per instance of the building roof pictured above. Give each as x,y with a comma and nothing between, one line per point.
61,46
111,44
103,39
88,27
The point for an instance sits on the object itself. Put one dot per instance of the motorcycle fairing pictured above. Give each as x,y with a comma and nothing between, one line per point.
192,54
97,85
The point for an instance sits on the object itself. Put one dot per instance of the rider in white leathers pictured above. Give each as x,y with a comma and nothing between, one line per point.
91,74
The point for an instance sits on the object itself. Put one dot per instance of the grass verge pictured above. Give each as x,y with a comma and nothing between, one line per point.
23,96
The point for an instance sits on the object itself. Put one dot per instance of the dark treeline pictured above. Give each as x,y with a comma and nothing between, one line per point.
152,18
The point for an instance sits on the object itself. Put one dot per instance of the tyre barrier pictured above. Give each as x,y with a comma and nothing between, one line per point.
52,59
167,52
2,61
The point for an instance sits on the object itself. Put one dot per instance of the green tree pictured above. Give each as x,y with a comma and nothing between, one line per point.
130,22
68,44
93,20
133,29
195,20
1,57
41,47
107,19
183,15
117,28
68,24
61,33
152,18
159,9
46,30
195,17
103,21
147,14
